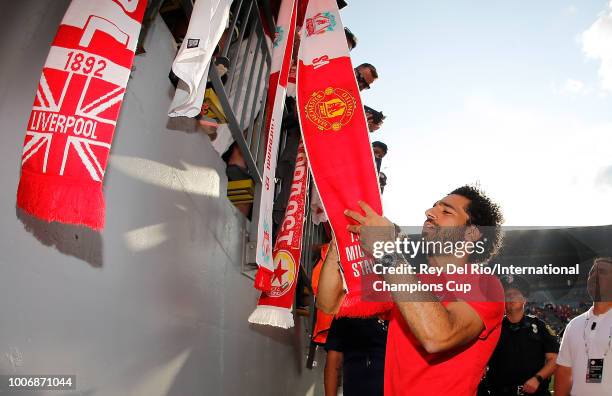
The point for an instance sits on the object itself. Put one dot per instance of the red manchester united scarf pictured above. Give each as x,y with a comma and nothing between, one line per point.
274,307
281,61
335,134
75,111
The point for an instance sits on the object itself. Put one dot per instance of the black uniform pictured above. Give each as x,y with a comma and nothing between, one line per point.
362,343
519,355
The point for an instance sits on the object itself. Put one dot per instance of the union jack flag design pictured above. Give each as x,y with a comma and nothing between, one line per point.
51,146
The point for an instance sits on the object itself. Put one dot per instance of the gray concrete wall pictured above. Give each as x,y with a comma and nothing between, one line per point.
156,303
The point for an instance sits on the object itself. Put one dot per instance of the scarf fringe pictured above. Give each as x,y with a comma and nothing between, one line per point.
272,316
53,198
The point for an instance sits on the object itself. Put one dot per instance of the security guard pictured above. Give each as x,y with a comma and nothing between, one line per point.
525,356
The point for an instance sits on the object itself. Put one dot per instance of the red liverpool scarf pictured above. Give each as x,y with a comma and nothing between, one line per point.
70,130
274,307
279,73
335,134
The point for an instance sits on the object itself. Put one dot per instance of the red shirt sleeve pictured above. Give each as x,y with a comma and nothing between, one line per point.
490,307
491,314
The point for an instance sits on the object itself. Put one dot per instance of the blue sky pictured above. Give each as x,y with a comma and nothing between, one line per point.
515,96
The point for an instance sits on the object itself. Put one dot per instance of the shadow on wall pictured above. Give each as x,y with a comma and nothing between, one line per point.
77,241
293,337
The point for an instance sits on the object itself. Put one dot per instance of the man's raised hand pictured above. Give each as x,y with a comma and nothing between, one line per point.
370,227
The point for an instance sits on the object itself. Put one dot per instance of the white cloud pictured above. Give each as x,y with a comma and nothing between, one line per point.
571,87
574,86
540,165
597,44
605,177
570,10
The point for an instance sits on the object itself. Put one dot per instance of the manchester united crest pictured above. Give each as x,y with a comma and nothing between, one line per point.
330,109
320,23
284,273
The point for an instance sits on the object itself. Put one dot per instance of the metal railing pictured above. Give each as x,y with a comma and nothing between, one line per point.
243,96
243,99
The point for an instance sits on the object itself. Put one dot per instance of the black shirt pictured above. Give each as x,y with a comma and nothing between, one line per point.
520,353
362,343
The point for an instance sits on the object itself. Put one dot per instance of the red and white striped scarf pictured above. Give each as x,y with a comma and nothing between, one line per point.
70,130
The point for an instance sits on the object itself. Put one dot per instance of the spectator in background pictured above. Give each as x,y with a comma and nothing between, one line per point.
382,181
237,170
366,74
357,347
585,361
375,118
351,39
380,150
525,356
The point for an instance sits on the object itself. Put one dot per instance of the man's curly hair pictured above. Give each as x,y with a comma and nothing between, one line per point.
487,216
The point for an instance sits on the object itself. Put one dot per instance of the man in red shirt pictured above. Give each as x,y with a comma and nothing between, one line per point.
438,344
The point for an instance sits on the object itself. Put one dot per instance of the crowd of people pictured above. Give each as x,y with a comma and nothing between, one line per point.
559,315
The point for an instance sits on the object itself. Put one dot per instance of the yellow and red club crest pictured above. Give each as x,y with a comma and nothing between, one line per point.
330,109
284,273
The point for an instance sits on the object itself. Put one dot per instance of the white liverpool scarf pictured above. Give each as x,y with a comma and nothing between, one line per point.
279,74
208,21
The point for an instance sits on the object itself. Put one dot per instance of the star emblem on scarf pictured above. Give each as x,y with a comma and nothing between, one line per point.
279,272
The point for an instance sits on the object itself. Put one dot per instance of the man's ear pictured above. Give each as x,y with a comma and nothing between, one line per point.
472,233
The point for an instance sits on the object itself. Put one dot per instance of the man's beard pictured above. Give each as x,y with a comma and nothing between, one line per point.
443,235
